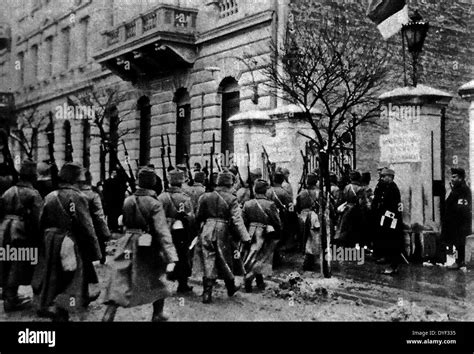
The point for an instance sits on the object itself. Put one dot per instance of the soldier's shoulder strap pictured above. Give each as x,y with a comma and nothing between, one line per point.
222,198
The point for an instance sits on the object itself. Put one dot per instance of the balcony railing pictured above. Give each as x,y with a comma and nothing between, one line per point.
228,8
164,18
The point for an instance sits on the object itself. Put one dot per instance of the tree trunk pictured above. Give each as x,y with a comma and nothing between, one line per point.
324,187
102,163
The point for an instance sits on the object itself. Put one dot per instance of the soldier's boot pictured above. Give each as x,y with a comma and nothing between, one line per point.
13,301
309,263
183,286
231,287
60,315
207,290
260,282
248,285
110,313
158,314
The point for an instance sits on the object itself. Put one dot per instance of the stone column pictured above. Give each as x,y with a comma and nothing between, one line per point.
467,92
413,148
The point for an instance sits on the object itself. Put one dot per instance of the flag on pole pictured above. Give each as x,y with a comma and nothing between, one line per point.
388,15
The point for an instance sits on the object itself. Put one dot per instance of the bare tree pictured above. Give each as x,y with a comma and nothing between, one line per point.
339,68
29,126
109,121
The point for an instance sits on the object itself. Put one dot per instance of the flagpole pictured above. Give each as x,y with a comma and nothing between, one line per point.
404,60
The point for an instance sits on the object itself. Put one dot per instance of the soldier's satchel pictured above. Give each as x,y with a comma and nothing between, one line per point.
145,239
388,219
68,255
67,251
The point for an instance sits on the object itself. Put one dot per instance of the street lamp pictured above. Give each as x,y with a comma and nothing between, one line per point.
414,34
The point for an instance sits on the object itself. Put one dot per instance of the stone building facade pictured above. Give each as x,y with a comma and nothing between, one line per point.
185,68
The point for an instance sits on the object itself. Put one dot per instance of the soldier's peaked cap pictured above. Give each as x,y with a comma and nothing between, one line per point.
225,179
70,172
458,171
146,177
256,172
176,177
388,171
261,186
28,168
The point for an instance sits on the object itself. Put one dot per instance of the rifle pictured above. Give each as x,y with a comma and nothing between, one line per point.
188,167
249,178
240,177
8,156
305,172
163,163
69,148
206,172
269,166
170,167
52,160
130,170
217,165
211,171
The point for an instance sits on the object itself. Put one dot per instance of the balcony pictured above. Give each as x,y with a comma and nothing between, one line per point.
155,42
5,36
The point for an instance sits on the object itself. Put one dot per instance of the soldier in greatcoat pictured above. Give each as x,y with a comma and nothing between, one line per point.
352,198
21,209
387,210
70,247
262,219
197,189
307,206
97,212
243,194
458,216
220,215
144,254
284,203
179,213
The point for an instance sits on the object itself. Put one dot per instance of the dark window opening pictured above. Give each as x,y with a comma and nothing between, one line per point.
183,126
144,108
230,106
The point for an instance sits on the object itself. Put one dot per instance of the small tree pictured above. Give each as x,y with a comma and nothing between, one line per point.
29,126
338,67
108,120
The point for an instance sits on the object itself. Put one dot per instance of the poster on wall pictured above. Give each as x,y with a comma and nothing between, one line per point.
398,148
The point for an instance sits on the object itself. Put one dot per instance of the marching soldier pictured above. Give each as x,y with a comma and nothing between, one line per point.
307,205
284,204
114,195
197,189
70,246
353,196
219,212
387,209
286,184
158,187
21,208
96,211
263,222
144,254
44,183
179,213
243,194
458,216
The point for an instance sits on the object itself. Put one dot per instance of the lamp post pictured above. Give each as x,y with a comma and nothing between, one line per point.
414,33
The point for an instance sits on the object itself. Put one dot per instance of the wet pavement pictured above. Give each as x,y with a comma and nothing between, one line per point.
434,286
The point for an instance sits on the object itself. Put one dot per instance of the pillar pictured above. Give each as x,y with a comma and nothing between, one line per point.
414,149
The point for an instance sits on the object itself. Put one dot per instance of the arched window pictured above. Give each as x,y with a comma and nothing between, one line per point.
230,91
183,125
143,106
